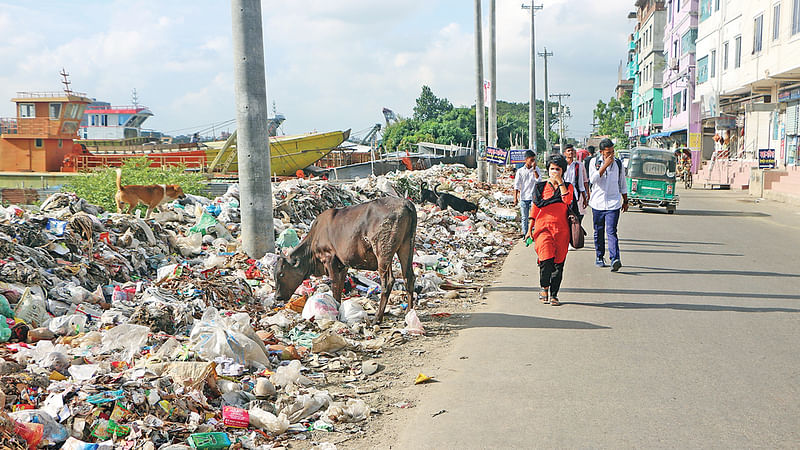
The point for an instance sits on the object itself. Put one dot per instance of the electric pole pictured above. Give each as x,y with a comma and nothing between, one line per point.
532,107
560,120
480,123
492,134
258,231
548,147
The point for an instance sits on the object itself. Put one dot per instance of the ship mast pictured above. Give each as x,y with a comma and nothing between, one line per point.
66,81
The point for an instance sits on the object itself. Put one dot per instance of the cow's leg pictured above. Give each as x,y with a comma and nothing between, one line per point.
337,274
387,281
406,256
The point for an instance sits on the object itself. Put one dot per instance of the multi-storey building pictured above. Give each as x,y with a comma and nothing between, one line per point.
680,114
646,101
748,77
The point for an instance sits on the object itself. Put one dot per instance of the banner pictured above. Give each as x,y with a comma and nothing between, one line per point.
517,157
766,158
496,155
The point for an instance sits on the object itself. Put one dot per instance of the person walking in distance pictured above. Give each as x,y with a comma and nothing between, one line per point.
576,176
588,160
524,181
609,198
549,227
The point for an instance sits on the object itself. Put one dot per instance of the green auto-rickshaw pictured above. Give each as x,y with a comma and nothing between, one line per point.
651,178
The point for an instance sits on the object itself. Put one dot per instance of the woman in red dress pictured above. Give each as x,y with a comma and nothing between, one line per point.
550,229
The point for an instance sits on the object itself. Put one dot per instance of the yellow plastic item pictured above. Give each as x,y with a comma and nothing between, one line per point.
422,379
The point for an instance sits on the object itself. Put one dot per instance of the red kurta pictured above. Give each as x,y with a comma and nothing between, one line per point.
551,229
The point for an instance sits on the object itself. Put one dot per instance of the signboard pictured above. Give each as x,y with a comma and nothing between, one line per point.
766,158
516,158
694,140
496,155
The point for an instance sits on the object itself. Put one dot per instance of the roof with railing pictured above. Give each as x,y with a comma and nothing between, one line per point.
44,95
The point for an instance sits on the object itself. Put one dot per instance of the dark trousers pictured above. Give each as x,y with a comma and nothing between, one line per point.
605,222
550,273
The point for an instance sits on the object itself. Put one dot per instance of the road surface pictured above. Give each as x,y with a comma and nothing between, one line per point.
695,343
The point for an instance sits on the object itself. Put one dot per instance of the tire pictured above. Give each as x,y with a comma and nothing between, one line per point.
670,210
689,181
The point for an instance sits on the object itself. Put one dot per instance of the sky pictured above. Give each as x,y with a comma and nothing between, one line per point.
330,65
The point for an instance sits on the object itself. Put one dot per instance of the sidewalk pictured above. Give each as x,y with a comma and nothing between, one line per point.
692,344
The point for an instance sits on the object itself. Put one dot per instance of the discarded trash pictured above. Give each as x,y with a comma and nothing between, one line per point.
422,379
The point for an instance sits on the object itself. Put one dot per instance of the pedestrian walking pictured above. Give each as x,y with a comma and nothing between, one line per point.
577,176
588,160
524,181
549,228
609,198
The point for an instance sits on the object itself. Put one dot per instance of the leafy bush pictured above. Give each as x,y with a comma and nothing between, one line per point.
99,187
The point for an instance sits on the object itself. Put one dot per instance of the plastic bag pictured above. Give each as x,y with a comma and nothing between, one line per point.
355,410
127,337
306,405
413,325
205,224
190,245
32,309
5,307
53,431
265,420
233,337
328,342
68,325
287,238
75,444
321,306
351,312
289,374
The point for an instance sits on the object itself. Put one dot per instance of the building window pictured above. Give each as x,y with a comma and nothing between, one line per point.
39,143
27,110
796,17
737,58
688,41
669,11
776,22
725,56
702,69
705,9
716,5
94,120
758,28
666,107
104,120
60,143
55,110
676,103
683,100
678,6
713,63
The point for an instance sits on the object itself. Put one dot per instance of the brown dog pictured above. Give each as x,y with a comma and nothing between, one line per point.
152,196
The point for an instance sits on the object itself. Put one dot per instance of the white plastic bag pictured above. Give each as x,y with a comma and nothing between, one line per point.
321,306
289,374
413,325
355,410
32,309
351,312
274,425
233,337
306,405
68,325
127,337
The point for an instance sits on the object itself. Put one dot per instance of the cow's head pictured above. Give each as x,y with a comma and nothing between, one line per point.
289,273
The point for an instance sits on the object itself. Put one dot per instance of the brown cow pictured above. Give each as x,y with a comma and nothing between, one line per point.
365,236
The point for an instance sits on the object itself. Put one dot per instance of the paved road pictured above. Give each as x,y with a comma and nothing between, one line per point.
693,344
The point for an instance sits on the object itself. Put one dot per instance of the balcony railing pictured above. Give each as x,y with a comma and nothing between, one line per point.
48,94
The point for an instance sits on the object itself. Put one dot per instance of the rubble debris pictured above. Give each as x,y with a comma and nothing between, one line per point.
119,332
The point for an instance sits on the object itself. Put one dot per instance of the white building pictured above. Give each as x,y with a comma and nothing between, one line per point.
748,77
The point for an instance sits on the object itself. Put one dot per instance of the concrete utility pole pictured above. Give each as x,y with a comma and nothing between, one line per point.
548,147
560,121
258,231
480,120
532,106
492,169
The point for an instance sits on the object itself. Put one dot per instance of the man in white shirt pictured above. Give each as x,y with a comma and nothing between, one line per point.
609,198
524,181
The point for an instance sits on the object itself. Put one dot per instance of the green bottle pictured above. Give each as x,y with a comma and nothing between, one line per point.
528,241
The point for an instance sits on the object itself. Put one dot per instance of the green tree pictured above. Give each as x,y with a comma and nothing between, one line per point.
611,118
429,106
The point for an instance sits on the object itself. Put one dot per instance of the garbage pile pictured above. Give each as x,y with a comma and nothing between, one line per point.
119,332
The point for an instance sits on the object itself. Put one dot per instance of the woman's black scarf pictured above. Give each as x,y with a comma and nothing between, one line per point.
538,192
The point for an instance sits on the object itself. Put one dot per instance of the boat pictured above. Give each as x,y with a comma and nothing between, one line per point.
288,153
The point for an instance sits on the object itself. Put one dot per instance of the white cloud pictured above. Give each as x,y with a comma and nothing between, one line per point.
330,65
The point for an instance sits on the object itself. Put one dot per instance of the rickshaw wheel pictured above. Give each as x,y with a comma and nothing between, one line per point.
670,210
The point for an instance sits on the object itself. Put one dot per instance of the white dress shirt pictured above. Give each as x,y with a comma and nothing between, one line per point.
525,180
576,174
607,189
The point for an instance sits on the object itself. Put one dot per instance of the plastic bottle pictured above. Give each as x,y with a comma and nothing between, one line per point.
528,242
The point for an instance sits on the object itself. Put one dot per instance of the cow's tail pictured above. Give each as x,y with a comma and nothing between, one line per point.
119,179
435,187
